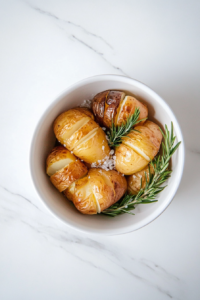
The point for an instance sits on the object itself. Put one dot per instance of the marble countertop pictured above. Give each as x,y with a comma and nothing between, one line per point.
45,47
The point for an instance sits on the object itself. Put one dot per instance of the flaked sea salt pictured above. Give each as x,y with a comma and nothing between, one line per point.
112,152
86,103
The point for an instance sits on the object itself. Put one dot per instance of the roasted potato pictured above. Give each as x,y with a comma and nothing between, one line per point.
98,106
69,192
111,104
128,161
127,108
64,168
63,178
58,159
86,111
114,105
138,148
82,135
98,190
134,181
93,149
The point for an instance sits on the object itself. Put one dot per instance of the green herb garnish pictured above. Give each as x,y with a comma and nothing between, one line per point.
153,187
117,133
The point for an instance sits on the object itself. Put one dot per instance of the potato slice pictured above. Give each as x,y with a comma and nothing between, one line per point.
82,133
83,198
98,106
94,148
63,178
67,123
58,159
112,102
86,111
134,181
140,143
69,192
144,141
128,161
118,182
127,108
103,192
114,180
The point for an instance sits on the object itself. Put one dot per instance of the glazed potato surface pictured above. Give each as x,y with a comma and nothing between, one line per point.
118,106
134,181
96,191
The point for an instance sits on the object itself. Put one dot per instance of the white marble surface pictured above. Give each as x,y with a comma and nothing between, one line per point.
45,47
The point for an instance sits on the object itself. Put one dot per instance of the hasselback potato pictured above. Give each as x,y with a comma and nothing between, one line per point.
116,105
138,148
64,168
79,133
98,190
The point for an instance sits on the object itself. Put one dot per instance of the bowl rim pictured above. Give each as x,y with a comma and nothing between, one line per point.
69,89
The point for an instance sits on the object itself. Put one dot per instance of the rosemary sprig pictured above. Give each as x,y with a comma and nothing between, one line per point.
153,187
116,133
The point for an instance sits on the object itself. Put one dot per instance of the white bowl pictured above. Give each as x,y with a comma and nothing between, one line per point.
44,139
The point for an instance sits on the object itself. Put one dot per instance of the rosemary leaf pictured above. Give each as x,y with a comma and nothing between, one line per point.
117,133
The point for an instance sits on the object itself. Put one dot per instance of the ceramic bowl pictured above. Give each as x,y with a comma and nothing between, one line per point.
44,140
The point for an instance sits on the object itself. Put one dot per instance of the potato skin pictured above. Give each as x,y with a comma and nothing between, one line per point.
111,105
103,193
86,111
128,161
127,108
117,181
156,137
98,106
63,178
134,181
69,192
83,197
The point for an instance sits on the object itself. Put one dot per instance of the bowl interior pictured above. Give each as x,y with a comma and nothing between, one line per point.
44,141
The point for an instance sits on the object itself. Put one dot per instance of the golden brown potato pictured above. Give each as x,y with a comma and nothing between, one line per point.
93,149
134,181
142,145
69,192
80,134
95,192
86,111
63,178
114,104
127,108
58,159
128,161
111,104
67,123
98,106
